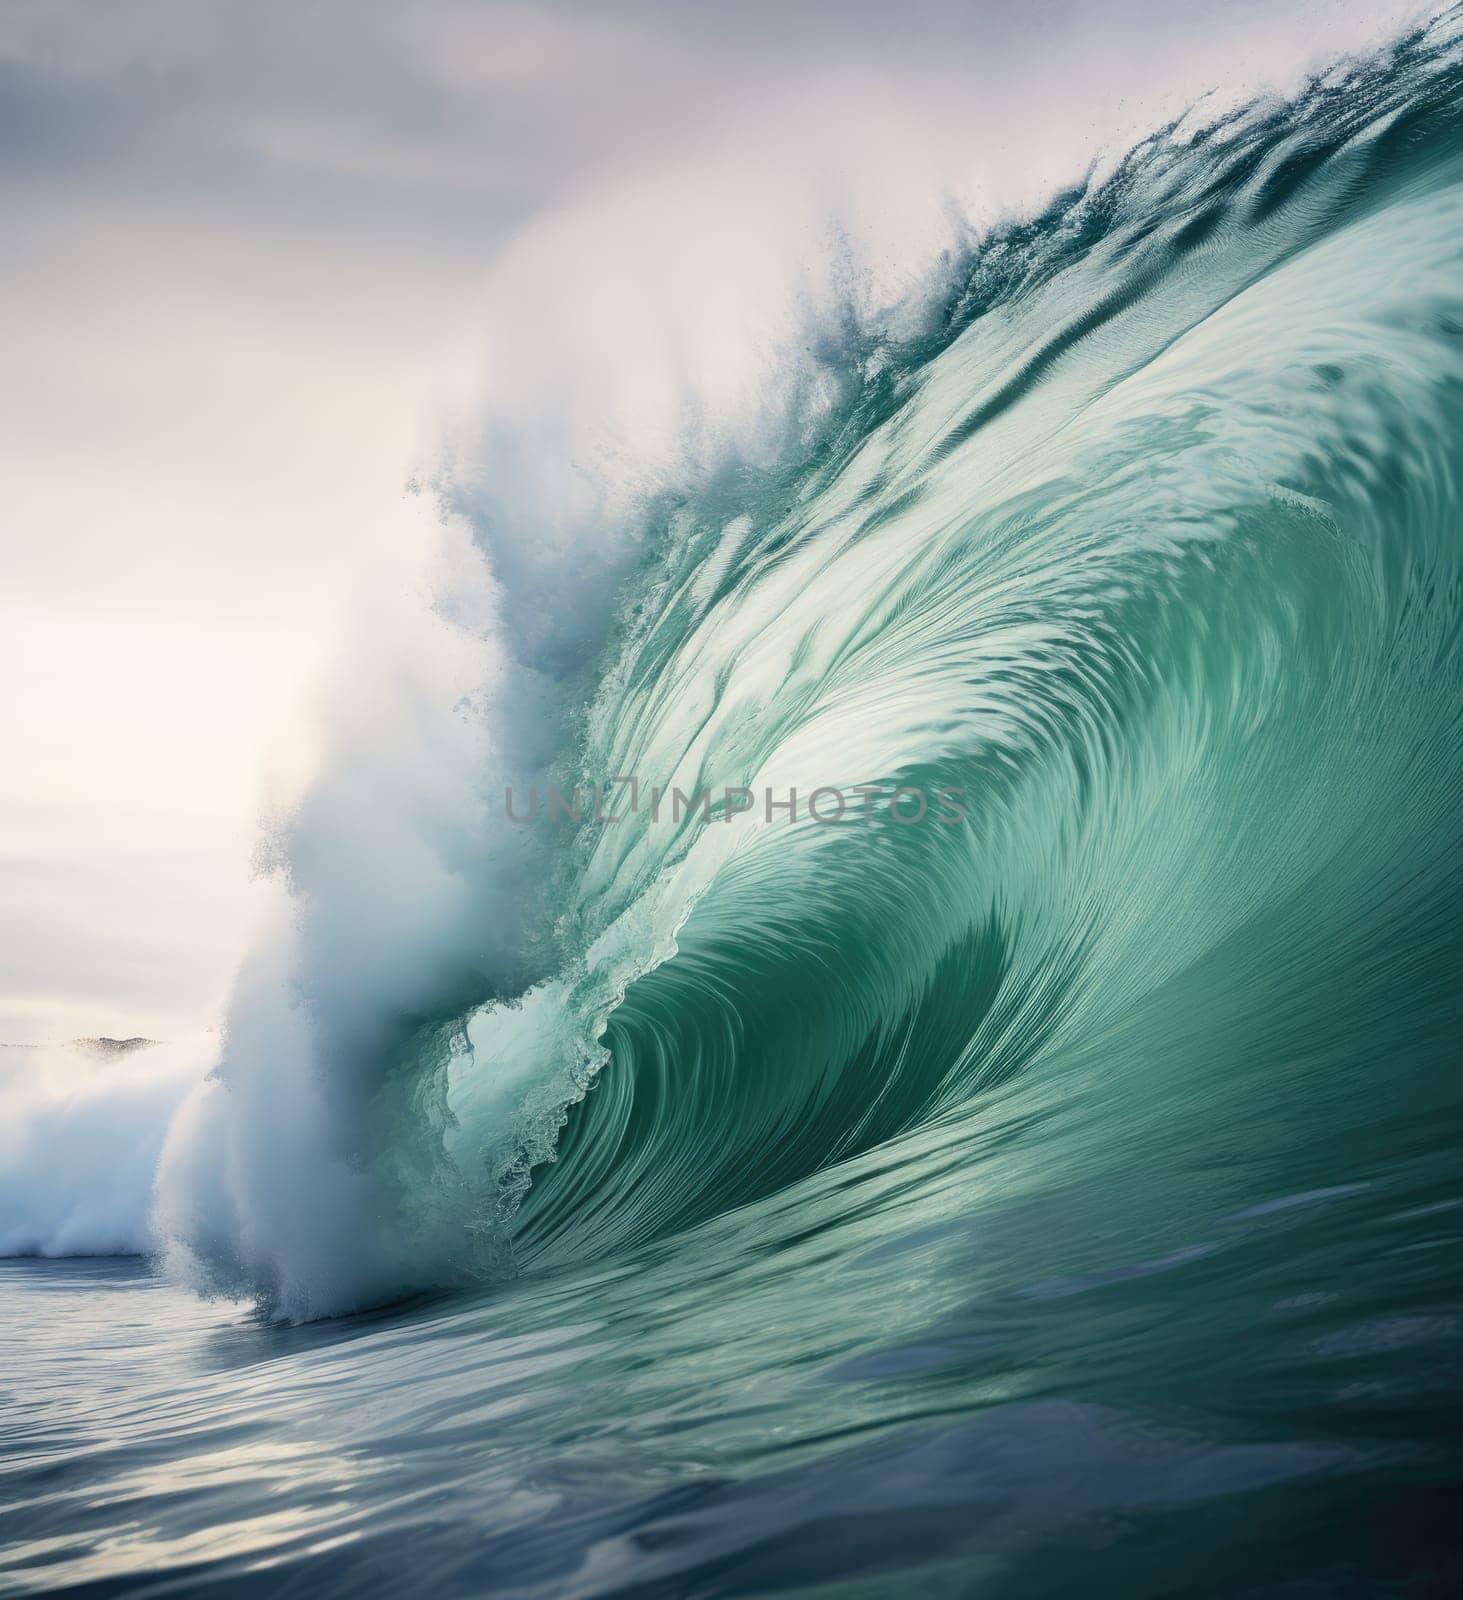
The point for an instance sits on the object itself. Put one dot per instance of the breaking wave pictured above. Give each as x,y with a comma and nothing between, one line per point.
1136,528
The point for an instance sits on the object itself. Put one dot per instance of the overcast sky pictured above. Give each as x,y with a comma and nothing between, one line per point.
244,247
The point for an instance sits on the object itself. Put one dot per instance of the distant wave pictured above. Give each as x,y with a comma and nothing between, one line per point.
81,1132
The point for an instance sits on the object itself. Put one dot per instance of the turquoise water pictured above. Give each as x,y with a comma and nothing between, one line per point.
934,1371
1063,1201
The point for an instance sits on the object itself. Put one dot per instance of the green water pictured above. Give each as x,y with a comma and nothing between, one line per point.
1063,1202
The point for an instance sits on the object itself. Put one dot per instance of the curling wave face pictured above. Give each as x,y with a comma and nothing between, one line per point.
1149,550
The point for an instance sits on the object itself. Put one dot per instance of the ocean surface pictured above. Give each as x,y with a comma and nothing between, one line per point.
1065,1197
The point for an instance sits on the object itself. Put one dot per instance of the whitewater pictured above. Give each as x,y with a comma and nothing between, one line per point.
1032,1201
